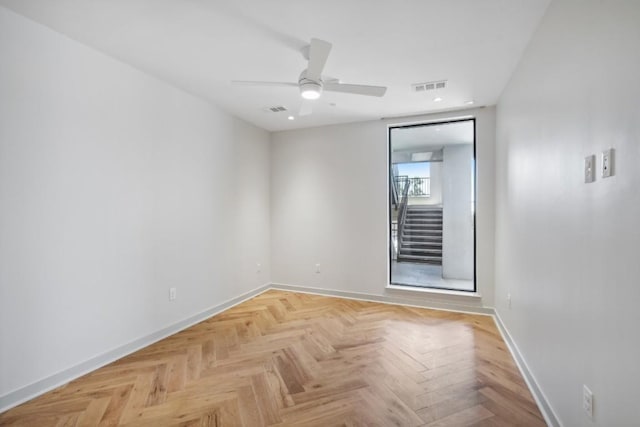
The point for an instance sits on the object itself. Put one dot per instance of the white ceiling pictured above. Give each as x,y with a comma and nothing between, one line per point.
431,137
201,45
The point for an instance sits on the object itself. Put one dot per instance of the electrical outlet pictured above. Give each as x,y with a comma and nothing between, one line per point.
172,294
589,169
317,268
607,163
587,401
509,300
258,268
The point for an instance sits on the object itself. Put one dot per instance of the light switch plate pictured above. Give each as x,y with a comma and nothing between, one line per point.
590,168
607,163
587,401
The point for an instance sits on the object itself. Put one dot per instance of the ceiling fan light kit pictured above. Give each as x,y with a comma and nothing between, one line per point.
311,84
310,89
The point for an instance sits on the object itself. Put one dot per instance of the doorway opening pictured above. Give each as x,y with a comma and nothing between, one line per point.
432,172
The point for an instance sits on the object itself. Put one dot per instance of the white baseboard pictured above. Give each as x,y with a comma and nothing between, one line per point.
37,388
420,301
44,385
548,413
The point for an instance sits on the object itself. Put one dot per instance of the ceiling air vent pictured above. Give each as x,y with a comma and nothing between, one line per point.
276,109
424,87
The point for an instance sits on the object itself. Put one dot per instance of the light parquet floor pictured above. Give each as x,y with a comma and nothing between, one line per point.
291,359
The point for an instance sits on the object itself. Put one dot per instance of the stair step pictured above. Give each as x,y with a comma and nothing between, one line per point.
423,224
425,245
419,258
436,243
422,239
424,257
407,248
428,240
423,232
427,252
424,213
421,254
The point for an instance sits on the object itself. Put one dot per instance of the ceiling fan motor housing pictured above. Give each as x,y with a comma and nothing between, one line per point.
309,89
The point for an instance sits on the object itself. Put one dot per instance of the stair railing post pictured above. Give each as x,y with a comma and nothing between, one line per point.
402,214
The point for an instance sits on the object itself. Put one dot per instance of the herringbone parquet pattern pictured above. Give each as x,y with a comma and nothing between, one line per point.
286,358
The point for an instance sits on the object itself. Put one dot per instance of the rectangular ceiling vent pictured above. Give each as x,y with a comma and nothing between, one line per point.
276,109
428,86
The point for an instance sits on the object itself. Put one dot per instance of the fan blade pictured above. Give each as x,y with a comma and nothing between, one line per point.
250,83
318,54
306,107
356,89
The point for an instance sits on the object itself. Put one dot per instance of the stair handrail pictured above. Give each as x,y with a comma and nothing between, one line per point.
394,189
402,213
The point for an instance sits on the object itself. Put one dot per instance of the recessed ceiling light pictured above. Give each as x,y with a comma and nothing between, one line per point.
437,129
469,102
437,99
291,118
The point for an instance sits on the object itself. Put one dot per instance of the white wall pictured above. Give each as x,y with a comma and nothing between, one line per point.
435,183
457,216
568,251
113,188
329,205
401,156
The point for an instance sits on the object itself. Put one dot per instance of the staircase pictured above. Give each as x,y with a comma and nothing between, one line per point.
421,239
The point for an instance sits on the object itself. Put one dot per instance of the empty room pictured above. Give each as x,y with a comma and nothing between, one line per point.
302,213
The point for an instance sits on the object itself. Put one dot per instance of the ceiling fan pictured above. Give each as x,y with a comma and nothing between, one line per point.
311,83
